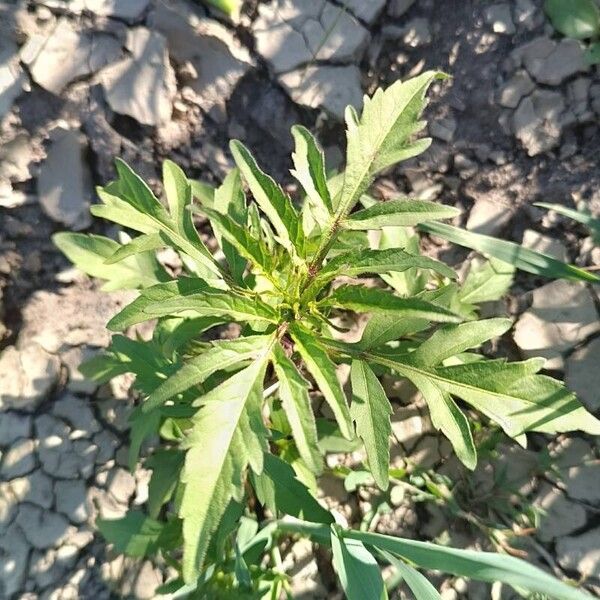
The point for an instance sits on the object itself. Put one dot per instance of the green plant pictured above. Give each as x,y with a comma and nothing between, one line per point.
240,445
577,19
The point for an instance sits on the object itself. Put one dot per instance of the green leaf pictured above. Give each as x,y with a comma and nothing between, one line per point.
358,262
166,465
278,488
578,19
418,583
473,564
591,222
511,394
293,392
402,213
450,340
240,238
382,135
371,412
230,200
195,298
131,203
323,370
143,243
222,355
143,425
271,198
387,327
309,163
357,569
363,299
135,534
486,281
229,7
509,252
592,54
227,434
90,252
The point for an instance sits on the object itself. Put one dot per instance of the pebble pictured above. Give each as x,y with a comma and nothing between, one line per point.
500,18
560,517
42,528
71,500
488,216
397,8
18,460
329,87
417,33
66,199
443,129
26,376
213,58
517,87
580,553
142,85
13,427
583,375
291,33
14,552
562,315
545,244
77,413
35,488
67,54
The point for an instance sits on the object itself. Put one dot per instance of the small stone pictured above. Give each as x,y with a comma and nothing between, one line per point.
291,33
77,413
525,12
66,199
583,376
580,553
14,553
12,77
397,8
15,158
499,17
417,33
26,376
536,121
71,500
443,129
129,11
66,55
562,315
560,515
107,444
121,485
518,86
552,63
18,460
365,11
43,529
35,488
545,244
213,58
329,87
44,569
488,216
582,482
13,427
147,580
142,86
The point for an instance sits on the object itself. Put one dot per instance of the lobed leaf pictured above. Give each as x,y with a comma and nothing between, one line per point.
272,200
222,355
363,299
90,254
227,434
382,135
404,212
371,410
293,392
323,370
309,168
